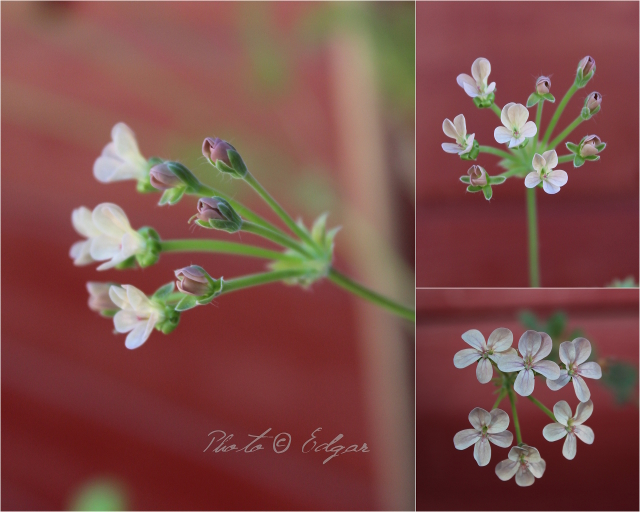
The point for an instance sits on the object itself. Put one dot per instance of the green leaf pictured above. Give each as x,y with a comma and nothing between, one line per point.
533,99
187,302
473,188
497,180
556,324
529,320
578,161
572,147
465,179
164,291
621,377
488,193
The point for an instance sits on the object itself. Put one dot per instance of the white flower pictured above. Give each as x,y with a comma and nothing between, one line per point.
543,165
457,131
524,462
570,426
99,299
574,354
109,236
138,315
533,346
477,86
516,127
499,344
121,158
486,427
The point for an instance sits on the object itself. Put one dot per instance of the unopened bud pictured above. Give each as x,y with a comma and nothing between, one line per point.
162,178
587,65
208,209
593,101
543,84
216,212
99,299
590,146
193,280
477,176
216,149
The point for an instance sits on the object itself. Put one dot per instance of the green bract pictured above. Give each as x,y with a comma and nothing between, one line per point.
485,102
535,98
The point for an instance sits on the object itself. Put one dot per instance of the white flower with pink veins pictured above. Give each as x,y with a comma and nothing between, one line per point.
487,427
570,426
499,345
574,354
525,463
477,85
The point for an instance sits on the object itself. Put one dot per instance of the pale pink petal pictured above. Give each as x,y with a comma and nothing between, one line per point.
479,418
471,90
504,117
506,469
554,432
537,468
466,357
550,188
532,179
583,349
531,454
562,412
81,253
510,363
500,339
118,296
581,388
547,368
583,412
490,88
469,143
590,370
137,337
125,321
529,343
567,352
538,162
501,439
545,347
560,382
475,338
585,434
83,223
484,371
570,446
524,477
551,157
516,142
449,129
499,421
138,300
516,452
104,247
482,452
450,147
110,219
529,129
480,70
466,438
461,125
125,144
502,134
518,115
525,381
557,178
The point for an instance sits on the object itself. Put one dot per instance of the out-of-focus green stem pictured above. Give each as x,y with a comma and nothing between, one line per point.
566,132
566,158
542,407
532,220
496,109
556,115
220,246
514,413
275,237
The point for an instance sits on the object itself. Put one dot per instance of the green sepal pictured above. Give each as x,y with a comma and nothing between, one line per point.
222,167
497,180
204,224
187,302
128,263
172,195
533,99
549,97
586,114
109,313
600,147
152,247
473,154
170,321
465,179
232,222
164,291
237,163
473,188
578,161
592,158
147,259
144,187
488,192
184,175
574,148
484,102
581,80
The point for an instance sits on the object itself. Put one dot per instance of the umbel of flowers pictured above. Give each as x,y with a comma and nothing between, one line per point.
304,255
526,150
517,371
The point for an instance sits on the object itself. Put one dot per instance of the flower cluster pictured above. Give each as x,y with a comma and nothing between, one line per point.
517,373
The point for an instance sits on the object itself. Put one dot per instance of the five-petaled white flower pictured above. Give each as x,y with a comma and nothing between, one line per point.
458,131
477,86
533,346
109,236
570,426
524,462
516,127
121,158
486,427
574,354
499,344
138,315
543,165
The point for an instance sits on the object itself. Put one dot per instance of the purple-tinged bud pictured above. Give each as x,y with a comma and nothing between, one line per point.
193,280
587,65
543,84
161,177
477,176
590,146
208,209
99,299
593,101
216,149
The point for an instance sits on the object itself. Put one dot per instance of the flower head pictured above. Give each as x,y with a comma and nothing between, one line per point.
593,102
543,165
543,84
486,427
477,176
570,426
574,354
525,463
109,236
216,149
138,314
476,86
516,127
457,131
534,347
163,178
499,345
121,158
586,65
589,146
193,280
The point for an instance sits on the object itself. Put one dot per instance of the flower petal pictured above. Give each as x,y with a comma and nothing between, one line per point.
137,337
501,439
557,178
590,370
545,347
81,253
570,446
532,179
537,468
504,116
125,143
484,371
583,412
466,357
562,412
500,339
83,223
531,454
125,321
585,434
475,338
567,352
466,438
529,343
550,188
547,368
583,349
499,421
524,477
449,129
525,381
482,452
111,220
510,363
471,90
554,432
581,388
506,469
481,69
538,162
468,84
502,134
490,88
461,125
104,247
551,157
516,142
518,115
118,296
138,300
479,418
560,382
450,147
529,130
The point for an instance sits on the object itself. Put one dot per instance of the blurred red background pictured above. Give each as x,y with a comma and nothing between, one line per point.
603,476
589,231
319,100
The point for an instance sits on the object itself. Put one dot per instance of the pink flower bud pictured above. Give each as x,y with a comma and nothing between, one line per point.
216,149
587,64
593,101
477,176
192,280
589,146
543,84
161,177
208,209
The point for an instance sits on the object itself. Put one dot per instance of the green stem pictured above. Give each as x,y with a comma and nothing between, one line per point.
497,152
566,132
556,115
275,237
542,407
534,262
496,109
197,245
566,158
538,123
359,290
514,413
301,233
